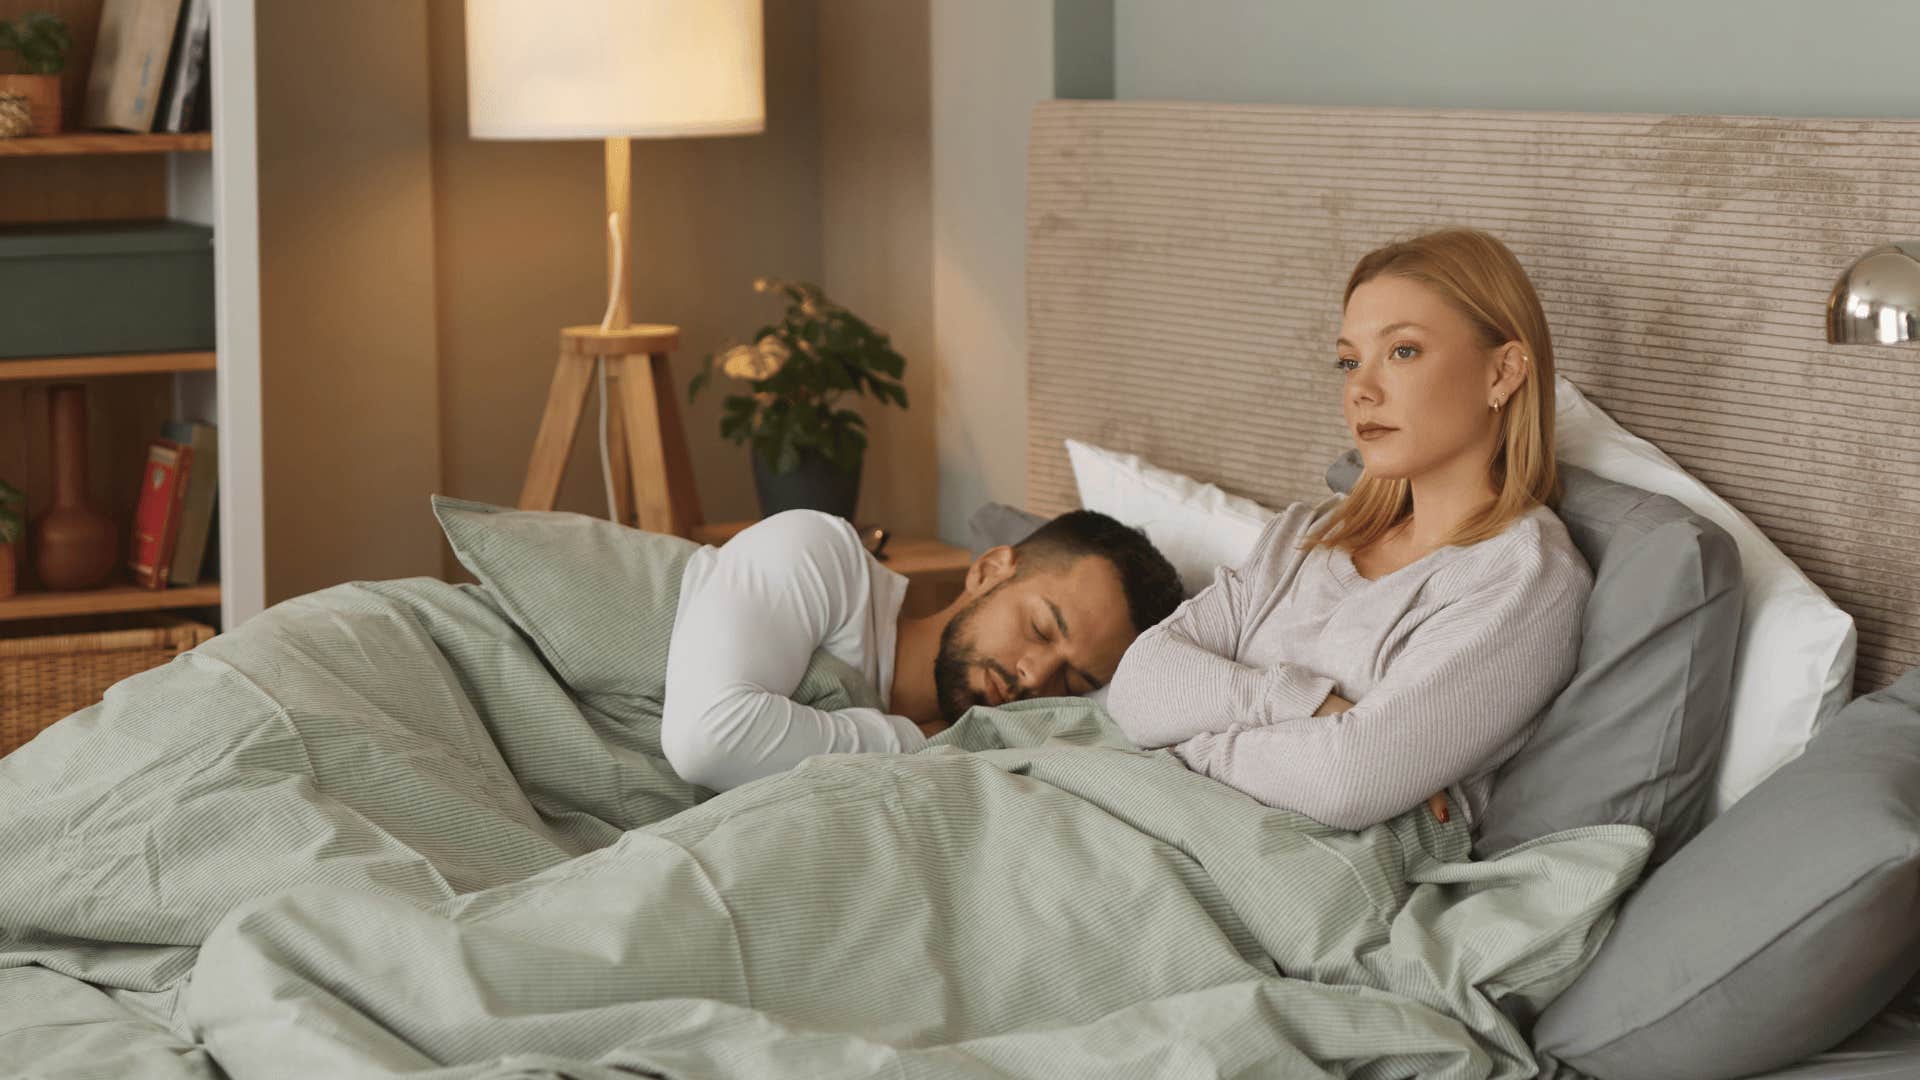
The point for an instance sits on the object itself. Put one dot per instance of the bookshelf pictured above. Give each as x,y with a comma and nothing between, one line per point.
95,143
83,367
205,177
116,597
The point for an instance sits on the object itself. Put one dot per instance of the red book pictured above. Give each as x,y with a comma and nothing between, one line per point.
156,520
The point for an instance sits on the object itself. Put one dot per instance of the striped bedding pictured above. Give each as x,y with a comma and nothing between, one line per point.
372,832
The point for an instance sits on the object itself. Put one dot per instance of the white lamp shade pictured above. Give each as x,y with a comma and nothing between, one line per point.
591,69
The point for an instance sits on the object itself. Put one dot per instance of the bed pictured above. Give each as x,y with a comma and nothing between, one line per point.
424,828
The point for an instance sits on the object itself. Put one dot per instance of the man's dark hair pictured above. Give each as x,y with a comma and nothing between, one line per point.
1151,583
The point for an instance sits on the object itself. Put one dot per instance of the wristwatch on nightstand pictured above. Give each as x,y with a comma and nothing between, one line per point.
936,572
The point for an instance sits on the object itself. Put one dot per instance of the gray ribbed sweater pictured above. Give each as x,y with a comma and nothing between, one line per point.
1448,662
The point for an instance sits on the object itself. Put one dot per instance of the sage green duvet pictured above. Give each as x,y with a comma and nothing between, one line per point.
417,828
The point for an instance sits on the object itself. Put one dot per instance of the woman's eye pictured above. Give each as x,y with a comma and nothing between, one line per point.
1346,363
1409,350
1038,635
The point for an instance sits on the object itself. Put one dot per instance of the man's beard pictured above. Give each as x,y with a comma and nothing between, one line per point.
956,658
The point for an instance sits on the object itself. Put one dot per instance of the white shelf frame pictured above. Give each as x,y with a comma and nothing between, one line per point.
232,195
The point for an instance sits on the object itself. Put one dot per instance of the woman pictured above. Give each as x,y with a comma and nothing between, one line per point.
1400,640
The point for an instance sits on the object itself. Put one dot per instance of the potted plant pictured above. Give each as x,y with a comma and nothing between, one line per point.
13,525
807,448
42,40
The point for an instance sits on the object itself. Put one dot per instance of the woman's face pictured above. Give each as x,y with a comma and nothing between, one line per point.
1415,367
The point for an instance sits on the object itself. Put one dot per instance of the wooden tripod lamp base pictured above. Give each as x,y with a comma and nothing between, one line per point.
646,444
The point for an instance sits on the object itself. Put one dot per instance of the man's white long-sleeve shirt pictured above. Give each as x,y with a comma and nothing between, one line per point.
750,616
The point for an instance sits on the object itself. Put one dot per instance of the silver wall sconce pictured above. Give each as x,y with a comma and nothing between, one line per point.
1877,300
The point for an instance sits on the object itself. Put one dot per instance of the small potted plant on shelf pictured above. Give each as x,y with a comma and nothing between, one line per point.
807,448
42,42
13,525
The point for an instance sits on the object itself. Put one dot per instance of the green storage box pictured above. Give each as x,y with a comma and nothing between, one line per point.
105,287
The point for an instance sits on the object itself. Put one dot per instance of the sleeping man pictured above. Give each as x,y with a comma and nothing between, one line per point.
1050,616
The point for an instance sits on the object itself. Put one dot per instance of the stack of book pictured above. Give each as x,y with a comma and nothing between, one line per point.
151,71
173,521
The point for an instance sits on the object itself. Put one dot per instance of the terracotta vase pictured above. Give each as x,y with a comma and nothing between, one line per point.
74,546
43,99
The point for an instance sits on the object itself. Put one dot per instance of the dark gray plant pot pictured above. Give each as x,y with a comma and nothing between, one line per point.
815,484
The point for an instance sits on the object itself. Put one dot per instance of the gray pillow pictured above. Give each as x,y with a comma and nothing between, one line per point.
1636,734
997,523
1785,925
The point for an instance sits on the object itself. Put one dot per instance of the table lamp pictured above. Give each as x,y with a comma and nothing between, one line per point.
1877,300
616,70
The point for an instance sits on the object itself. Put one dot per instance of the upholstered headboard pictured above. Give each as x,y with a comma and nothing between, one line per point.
1185,264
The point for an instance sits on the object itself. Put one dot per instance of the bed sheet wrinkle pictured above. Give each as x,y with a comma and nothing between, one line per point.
56,1027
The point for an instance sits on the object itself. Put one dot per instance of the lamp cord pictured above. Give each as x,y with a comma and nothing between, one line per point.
600,361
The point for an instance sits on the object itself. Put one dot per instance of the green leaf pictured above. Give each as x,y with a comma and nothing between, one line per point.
699,381
736,417
841,375
42,40
851,449
790,381
11,495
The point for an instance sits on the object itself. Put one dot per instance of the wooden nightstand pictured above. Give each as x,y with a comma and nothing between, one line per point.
935,571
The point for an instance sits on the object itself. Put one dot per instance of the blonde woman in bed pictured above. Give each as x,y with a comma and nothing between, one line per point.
1392,646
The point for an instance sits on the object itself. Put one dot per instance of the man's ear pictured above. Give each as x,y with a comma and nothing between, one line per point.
995,565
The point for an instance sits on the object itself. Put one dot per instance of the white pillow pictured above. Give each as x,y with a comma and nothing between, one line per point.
1196,526
1794,664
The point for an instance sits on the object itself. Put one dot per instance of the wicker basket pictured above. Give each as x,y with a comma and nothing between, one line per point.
46,677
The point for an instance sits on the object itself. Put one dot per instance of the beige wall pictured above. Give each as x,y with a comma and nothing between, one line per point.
877,190
991,62
414,280
349,352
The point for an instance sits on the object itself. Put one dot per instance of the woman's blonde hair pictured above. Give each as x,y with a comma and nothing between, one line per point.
1480,277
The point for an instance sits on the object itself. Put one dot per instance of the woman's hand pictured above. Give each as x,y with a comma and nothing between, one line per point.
1334,704
1436,803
